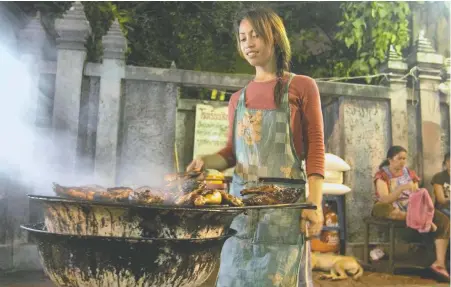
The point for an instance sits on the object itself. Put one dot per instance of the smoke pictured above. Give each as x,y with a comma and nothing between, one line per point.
20,140
30,156
34,157
15,143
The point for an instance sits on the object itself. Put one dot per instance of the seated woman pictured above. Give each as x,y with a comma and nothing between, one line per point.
440,181
394,183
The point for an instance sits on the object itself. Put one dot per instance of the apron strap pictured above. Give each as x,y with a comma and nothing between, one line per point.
242,99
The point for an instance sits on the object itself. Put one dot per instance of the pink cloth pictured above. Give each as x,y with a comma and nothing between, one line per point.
420,211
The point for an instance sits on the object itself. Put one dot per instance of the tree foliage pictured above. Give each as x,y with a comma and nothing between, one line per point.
329,39
368,29
196,35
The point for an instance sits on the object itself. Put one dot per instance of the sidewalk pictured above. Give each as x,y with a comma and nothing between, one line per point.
38,279
379,279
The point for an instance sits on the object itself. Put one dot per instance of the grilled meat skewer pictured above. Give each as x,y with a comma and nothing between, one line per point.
261,189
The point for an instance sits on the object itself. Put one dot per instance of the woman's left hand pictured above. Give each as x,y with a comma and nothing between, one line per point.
312,221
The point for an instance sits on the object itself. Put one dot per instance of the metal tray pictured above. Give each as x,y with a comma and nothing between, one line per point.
300,205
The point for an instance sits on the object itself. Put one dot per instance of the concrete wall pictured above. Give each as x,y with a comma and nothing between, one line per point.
366,125
414,131
87,128
444,123
147,135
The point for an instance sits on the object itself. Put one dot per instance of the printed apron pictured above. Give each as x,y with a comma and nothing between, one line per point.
269,249
403,200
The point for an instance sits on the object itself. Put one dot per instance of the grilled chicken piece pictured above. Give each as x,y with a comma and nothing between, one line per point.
87,192
271,194
201,197
188,198
227,198
211,197
147,195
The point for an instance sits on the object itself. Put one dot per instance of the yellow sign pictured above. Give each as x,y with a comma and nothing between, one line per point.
211,130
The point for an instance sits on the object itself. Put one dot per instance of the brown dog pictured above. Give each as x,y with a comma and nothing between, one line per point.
339,266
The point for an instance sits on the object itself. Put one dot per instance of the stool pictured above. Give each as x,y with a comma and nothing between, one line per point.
387,223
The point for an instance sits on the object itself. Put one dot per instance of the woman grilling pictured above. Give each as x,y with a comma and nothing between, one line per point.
274,120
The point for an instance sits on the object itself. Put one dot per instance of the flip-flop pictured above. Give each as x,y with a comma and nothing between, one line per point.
440,272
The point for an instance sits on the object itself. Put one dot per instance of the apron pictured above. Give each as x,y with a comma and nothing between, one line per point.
268,249
403,200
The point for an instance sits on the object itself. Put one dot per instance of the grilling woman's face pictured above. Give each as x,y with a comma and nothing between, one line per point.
253,47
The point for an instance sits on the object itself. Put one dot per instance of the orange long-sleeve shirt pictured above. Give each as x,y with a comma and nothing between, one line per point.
306,118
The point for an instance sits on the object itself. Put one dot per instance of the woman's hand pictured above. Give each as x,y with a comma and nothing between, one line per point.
312,221
196,165
409,186
211,161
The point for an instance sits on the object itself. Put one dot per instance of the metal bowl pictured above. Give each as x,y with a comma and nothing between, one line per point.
71,260
79,217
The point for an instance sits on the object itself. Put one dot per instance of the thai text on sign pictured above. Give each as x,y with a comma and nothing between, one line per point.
210,132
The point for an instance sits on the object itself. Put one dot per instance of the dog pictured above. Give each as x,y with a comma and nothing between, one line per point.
339,266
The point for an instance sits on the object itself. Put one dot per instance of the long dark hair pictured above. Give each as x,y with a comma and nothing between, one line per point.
270,27
391,153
